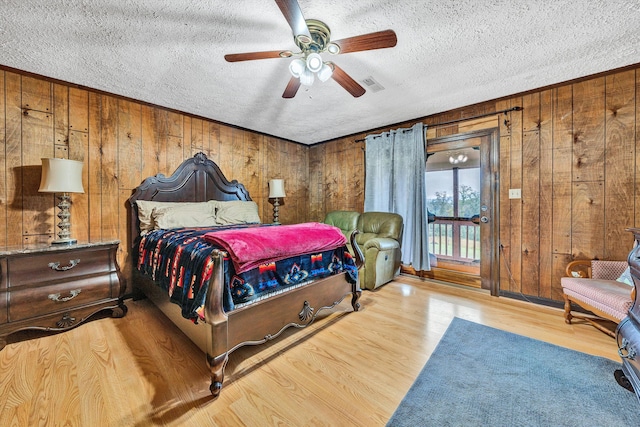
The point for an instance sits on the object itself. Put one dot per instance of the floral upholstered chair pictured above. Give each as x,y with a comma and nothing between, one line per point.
604,288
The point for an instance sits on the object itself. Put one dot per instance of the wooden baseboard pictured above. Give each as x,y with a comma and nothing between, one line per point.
446,275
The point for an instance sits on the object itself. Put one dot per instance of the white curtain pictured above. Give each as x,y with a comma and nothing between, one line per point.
395,182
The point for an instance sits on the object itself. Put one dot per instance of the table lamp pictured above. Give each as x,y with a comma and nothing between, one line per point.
276,191
62,176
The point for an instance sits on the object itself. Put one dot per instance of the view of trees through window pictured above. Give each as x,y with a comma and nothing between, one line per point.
468,203
441,202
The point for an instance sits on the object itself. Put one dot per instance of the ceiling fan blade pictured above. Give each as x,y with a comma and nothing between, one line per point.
293,14
249,56
292,88
346,81
378,40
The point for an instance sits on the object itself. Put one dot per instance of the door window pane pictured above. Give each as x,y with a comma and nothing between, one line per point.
453,198
440,192
468,192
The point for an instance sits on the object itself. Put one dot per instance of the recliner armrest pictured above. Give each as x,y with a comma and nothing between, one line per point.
381,243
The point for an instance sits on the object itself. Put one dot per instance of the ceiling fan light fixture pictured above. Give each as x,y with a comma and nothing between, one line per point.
333,49
314,62
325,72
306,78
297,67
313,37
458,158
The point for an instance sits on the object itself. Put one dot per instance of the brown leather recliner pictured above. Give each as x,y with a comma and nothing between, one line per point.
379,239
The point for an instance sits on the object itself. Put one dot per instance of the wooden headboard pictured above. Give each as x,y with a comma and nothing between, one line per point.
197,179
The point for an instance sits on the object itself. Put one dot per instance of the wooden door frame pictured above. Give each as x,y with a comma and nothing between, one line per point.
492,280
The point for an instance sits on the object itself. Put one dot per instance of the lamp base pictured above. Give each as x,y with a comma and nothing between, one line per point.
276,203
64,242
64,235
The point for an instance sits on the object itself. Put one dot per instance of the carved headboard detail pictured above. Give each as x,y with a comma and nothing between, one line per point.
197,179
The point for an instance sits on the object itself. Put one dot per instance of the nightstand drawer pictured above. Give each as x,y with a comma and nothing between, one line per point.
54,266
33,302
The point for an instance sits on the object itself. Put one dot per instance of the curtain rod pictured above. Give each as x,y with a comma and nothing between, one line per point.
479,116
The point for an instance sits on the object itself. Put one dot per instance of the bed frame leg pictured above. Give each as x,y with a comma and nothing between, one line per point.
359,260
355,297
216,366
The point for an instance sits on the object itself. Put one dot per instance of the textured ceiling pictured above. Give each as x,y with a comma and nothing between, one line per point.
449,54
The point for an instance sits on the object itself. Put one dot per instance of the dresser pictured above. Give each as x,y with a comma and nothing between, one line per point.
628,331
58,287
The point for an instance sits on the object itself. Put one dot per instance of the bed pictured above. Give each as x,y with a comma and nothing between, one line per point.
219,328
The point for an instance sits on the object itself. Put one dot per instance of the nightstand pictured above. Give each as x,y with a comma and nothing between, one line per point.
58,287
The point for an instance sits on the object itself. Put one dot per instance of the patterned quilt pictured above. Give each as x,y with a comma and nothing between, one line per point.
179,261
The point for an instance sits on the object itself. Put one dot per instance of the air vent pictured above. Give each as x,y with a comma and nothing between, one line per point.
371,84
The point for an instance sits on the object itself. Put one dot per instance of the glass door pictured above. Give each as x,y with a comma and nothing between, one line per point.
461,181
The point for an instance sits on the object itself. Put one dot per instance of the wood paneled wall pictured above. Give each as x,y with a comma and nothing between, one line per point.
336,177
121,142
574,151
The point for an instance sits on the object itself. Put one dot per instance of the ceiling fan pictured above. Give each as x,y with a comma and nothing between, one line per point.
313,37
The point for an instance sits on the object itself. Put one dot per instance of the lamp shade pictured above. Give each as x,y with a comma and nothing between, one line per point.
296,67
314,62
325,72
276,188
306,78
61,176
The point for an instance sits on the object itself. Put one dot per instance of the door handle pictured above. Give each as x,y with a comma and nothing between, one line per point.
484,219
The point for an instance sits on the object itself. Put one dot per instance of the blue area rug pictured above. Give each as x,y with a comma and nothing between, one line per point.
482,376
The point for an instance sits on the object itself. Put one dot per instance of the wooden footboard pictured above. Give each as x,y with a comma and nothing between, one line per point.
254,324
265,320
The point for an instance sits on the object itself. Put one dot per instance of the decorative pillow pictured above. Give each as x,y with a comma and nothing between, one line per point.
237,212
145,208
625,277
183,215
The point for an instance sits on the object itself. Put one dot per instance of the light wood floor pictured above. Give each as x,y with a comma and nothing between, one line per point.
347,369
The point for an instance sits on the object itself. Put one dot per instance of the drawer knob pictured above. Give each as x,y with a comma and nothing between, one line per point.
72,294
56,265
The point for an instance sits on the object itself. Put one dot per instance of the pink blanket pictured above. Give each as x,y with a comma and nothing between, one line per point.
251,247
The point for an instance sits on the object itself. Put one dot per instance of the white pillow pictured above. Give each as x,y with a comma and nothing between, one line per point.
237,212
183,215
625,277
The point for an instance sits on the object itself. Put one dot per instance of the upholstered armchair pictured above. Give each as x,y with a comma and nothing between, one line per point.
604,288
379,240
346,221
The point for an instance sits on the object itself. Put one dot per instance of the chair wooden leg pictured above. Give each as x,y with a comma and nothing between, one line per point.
567,309
598,326
568,316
